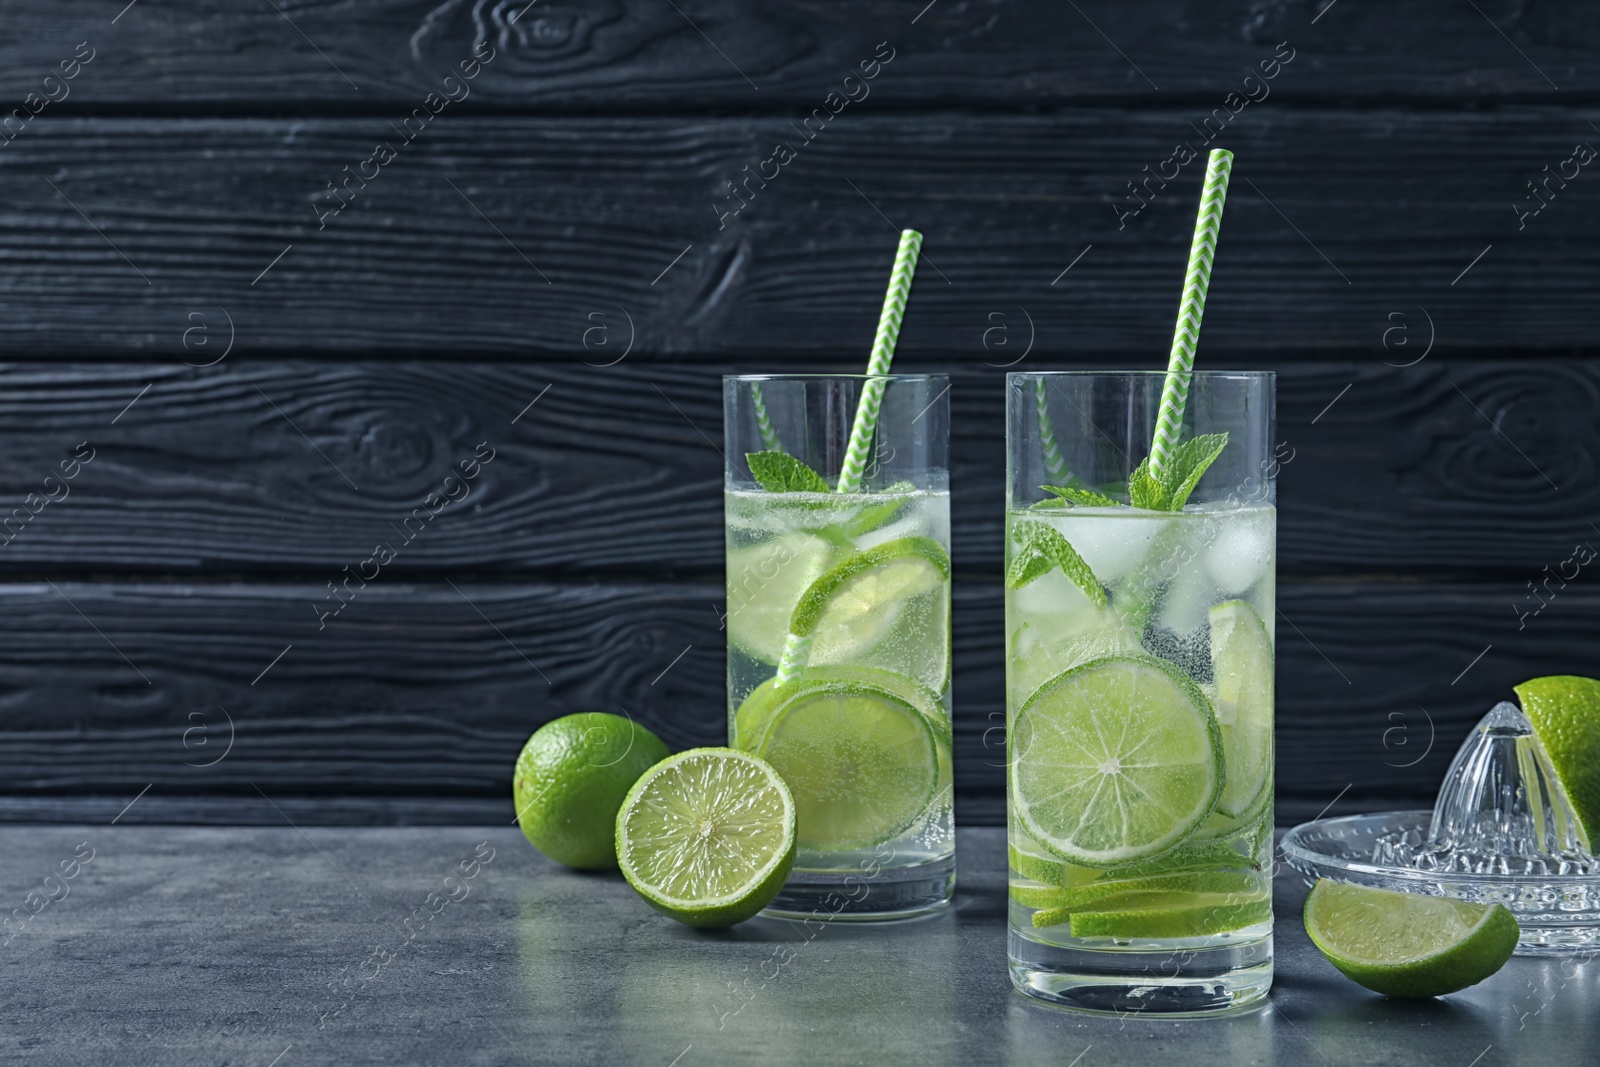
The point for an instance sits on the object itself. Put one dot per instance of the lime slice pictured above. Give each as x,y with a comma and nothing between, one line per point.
1565,712
888,606
707,836
1407,944
760,708
1241,663
1140,915
766,580
1079,898
1190,857
858,748
1115,761
1037,868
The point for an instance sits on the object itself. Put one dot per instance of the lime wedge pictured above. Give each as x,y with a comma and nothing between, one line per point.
1140,915
1565,712
707,836
1407,944
1115,761
766,580
860,748
1241,663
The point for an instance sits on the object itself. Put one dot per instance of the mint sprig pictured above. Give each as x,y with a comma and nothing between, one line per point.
1189,462
1039,550
1171,491
779,472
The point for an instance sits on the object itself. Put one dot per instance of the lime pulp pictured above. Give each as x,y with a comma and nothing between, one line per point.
707,836
1115,761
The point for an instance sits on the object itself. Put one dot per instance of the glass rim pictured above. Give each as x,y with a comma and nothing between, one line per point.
915,377
1139,373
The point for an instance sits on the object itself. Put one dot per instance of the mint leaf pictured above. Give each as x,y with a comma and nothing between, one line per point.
1189,462
876,515
1144,491
1041,548
779,472
1081,497
1028,564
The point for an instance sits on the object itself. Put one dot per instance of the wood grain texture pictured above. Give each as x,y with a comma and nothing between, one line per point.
412,693
241,468
742,53
1338,222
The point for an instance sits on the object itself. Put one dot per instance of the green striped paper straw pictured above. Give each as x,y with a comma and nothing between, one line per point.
796,649
1180,366
894,309
1054,465
769,434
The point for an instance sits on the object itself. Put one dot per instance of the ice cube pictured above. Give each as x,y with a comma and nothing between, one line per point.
1188,596
1053,597
1241,551
1110,543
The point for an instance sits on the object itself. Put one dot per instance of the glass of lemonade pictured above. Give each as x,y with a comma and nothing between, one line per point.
838,621
1139,692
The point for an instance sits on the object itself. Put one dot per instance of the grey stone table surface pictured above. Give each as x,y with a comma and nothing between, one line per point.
281,947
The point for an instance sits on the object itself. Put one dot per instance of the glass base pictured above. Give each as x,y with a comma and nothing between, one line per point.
850,896
1175,983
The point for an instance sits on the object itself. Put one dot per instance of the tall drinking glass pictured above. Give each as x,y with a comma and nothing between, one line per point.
1139,692
839,631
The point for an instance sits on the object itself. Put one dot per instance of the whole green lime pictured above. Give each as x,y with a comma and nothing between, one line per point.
571,779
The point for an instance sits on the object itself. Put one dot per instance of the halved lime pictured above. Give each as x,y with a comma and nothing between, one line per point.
766,580
1115,761
707,836
888,606
858,748
1156,914
1407,944
1242,665
1565,712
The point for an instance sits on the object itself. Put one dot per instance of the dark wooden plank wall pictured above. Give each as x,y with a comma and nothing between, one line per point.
1439,381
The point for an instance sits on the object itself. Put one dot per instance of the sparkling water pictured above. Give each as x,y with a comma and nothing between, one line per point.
779,545
1163,574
